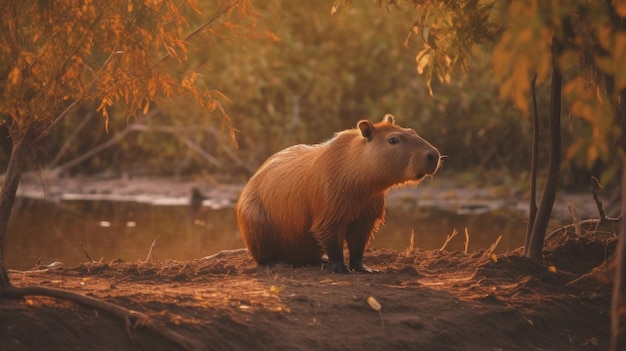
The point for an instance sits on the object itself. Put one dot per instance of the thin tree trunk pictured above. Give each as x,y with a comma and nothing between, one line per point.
532,207
618,301
19,153
535,247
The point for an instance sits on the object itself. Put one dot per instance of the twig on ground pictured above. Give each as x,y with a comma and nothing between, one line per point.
86,253
151,248
493,246
576,220
583,222
448,238
466,240
224,253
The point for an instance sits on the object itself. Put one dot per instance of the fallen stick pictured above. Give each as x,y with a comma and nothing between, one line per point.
584,221
151,248
493,246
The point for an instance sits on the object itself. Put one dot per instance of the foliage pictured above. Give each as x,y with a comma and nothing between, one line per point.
124,56
316,75
593,62
56,55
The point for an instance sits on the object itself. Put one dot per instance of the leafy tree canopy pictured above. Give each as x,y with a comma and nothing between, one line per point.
58,54
517,36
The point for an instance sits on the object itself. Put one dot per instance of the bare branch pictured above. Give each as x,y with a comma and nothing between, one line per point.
221,10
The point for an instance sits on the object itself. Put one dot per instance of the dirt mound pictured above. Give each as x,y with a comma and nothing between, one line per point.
431,300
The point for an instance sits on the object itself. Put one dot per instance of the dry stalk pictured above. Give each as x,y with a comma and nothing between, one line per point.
576,218
448,239
86,253
409,250
466,240
151,248
493,246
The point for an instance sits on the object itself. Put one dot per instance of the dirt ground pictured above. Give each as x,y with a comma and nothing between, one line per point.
429,300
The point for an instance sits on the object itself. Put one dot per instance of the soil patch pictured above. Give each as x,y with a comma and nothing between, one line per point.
431,300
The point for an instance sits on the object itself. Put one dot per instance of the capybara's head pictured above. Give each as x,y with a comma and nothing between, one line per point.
397,154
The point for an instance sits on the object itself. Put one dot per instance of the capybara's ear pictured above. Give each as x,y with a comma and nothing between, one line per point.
367,129
389,118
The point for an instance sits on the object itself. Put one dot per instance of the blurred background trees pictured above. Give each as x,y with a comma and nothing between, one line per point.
316,74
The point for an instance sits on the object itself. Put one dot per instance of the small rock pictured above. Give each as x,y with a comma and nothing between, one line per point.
414,323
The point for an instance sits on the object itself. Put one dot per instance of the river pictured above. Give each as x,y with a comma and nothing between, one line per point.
73,231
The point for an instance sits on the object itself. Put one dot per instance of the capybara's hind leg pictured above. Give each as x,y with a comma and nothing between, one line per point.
331,240
359,233
257,234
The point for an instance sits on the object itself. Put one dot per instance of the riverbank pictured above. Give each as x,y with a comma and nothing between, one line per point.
429,300
451,193
422,300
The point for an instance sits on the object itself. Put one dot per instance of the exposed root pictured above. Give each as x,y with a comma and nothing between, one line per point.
133,319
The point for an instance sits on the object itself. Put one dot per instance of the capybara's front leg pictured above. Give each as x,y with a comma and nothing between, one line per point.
356,258
359,232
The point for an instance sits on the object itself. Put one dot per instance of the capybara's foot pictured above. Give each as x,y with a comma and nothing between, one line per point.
340,267
363,269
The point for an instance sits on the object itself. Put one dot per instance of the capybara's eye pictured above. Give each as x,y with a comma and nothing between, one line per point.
393,141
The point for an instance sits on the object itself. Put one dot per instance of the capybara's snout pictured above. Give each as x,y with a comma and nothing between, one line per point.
433,159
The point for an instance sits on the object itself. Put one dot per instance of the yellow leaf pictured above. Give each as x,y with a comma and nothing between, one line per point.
552,269
276,289
376,307
15,75
422,62
494,258
146,108
373,303
590,342
273,37
198,296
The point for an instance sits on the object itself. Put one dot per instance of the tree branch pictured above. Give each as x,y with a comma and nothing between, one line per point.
132,318
219,12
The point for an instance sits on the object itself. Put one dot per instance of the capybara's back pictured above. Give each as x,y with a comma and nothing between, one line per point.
308,200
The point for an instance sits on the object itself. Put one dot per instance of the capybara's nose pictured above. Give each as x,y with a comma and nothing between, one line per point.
432,162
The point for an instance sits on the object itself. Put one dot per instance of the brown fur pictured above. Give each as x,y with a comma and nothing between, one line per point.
307,200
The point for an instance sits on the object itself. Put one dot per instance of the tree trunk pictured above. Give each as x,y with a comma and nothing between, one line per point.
532,206
19,153
535,247
618,301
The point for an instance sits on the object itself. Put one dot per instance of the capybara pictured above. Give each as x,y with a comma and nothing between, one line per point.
308,200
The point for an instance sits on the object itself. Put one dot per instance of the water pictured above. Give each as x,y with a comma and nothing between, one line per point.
63,231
